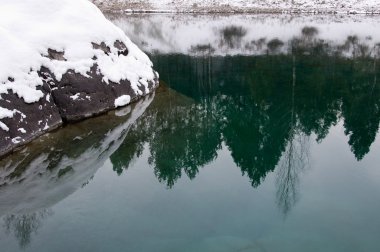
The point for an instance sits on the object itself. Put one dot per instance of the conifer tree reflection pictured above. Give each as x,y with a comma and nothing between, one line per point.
181,134
253,105
187,141
249,135
361,120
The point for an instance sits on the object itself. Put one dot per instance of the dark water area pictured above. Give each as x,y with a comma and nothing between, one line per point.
272,149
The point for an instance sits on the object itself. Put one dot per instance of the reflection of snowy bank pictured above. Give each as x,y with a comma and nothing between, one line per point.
50,169
250,34
224,6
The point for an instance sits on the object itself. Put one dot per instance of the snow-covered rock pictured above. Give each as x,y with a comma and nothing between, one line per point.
62,60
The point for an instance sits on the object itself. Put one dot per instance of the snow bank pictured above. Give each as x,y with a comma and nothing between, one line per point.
31,31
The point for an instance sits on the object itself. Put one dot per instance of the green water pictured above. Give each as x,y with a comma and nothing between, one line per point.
275,152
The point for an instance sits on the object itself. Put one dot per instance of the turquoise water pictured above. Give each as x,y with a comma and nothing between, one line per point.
269,152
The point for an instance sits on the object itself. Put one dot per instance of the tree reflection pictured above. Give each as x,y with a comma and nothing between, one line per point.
188,142
22,226
294,159
265,109
231,36
248,133
360,108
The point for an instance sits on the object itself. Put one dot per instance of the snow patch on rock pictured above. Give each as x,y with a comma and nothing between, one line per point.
6,113
74,97
22,130
17,140
3,126
122,101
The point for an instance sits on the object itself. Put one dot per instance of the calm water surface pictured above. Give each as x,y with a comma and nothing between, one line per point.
252,143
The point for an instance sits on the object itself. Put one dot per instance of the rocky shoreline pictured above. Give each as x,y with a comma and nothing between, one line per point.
75,97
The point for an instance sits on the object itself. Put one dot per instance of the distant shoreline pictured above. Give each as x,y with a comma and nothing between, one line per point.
240,11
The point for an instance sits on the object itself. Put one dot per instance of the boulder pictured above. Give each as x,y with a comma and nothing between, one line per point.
63,64
74,97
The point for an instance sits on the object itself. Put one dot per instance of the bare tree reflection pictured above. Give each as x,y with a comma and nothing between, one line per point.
24,225
294,160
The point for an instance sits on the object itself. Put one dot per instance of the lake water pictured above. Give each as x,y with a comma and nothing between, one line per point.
263,136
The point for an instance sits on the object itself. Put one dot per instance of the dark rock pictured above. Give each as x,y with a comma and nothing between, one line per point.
79,97
53,54
102,46
121,47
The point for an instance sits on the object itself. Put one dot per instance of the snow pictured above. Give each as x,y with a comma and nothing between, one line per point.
22,130
122,101
46,127
74,97
347,6
17,140
29,28
3,126
4,113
